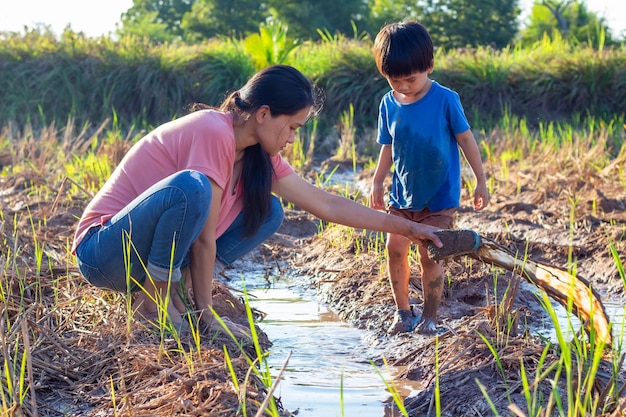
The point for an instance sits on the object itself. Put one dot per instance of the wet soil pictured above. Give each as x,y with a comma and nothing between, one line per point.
87,356
551,216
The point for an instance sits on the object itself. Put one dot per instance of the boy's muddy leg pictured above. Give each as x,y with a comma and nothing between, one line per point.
432,287
428,325
398,269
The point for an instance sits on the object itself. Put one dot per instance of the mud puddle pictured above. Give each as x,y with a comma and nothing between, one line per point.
329,372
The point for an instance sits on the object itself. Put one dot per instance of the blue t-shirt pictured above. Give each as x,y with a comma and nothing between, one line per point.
426,161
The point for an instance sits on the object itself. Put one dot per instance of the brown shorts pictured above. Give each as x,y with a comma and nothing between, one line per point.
443,219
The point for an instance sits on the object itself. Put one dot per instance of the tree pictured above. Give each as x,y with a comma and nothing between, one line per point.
470,23
571,19
382,12
208,18
558,9
147,25
160,20
305,17
453,23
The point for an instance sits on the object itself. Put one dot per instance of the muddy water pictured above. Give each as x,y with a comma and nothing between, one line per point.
329,372
329,363
570,324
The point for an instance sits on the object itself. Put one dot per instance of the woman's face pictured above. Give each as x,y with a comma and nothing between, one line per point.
274,133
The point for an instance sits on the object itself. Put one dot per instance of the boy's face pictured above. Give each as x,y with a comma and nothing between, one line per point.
411,87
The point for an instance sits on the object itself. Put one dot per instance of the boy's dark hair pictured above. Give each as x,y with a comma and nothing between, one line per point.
403,48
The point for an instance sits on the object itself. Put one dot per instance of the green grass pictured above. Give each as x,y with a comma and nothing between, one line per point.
139,85
76,162
258,365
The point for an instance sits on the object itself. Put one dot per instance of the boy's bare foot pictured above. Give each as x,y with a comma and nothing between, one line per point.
427,327
404,321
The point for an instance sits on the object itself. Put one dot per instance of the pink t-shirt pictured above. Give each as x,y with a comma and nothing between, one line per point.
203,140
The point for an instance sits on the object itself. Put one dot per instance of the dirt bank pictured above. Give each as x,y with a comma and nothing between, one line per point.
85,355
552,216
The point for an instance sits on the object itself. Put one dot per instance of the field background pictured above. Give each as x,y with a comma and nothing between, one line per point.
135,85
549,119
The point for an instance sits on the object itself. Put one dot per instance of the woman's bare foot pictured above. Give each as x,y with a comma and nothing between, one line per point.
147,310
238,330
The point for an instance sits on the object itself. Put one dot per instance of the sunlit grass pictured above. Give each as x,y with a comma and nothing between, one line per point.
258,366
582,149
390,385
618,262
572,373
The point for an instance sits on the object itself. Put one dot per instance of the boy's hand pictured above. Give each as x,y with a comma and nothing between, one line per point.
481,196
377,197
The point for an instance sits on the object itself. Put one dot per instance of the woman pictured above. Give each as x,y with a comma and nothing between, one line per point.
199,189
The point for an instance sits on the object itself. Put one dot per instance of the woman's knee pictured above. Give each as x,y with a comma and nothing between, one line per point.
195,180
195,186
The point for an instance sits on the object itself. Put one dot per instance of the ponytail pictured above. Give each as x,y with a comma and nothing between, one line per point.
257,175
286,92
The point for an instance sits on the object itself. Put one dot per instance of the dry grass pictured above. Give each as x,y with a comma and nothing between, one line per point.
72,349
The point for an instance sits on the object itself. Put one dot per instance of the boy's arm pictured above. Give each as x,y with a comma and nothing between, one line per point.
377,196
470,150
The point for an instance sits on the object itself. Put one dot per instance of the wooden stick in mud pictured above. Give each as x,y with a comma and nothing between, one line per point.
558,283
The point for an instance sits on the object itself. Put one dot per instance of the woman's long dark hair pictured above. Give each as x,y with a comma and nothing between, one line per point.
286,92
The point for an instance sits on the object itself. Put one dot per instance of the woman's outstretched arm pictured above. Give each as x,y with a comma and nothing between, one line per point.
341,210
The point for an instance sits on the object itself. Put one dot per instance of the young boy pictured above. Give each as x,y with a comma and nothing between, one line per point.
421,125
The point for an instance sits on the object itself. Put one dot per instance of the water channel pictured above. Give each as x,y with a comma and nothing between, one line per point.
329,372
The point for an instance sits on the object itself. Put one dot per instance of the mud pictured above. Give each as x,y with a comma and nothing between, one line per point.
553,216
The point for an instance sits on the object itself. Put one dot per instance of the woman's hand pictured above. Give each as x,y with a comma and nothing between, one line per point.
214,325
423,233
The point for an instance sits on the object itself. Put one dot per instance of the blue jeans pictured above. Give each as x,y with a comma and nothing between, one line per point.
154,232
